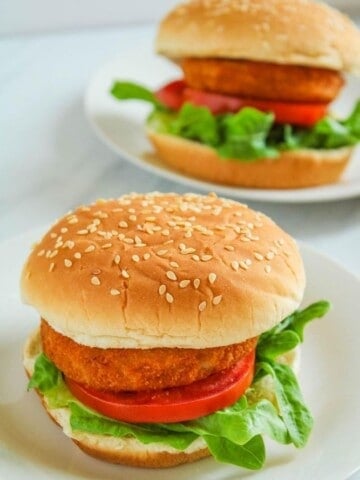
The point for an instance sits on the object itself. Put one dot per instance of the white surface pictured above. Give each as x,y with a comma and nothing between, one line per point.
51,161
19,16
121,126
24,16
329,384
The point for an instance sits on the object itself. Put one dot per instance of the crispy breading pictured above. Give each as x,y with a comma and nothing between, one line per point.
261,80
116,369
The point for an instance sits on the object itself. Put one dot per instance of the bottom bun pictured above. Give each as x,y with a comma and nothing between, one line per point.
127,451
291,169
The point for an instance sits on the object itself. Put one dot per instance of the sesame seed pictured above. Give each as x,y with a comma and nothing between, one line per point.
53,235
162,289
128,240
125,274
150,219
182,246
82,232
244,238
174,264
64,230
138,240
165,232
123,224
67,263
48,253
184,283
117,259
53,253
169,297
269,255
230,248
171,275
243,265
248,262
69,244
212,277
136,258
202,306
196,283
258,256
95,281
77,255
206,258
188,234
114,291
51,266
161,253
196,258
121,236
146,256
73,220
89,249
267,268
106,245
41,253
216,300
188,250
235,265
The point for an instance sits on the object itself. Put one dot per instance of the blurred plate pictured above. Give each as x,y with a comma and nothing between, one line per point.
33,447
120,125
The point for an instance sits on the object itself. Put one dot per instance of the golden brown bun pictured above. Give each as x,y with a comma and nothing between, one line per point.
291,169
165,270
127,451
297,32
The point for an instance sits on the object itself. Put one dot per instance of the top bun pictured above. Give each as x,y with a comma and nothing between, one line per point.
164,270
294,32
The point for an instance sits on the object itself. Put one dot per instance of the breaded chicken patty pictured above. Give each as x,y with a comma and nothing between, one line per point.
116,369
262,80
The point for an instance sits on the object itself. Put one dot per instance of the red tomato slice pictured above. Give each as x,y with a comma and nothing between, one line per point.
176,93
305,114
173,404
171,94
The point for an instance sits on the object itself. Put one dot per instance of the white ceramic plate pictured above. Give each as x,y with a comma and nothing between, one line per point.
120,125
32,447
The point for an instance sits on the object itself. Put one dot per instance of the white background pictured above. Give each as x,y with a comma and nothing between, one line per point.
19,16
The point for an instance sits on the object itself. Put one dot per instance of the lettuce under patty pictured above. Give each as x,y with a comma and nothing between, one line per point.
234,434
247,135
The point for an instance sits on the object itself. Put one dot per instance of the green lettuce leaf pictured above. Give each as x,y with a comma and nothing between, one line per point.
86,420
46,375
293,410
195,123
247,135
133,91
251,455
233,434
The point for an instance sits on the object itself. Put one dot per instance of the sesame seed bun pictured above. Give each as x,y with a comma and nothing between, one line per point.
293,32
164,270
128,451
291,169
